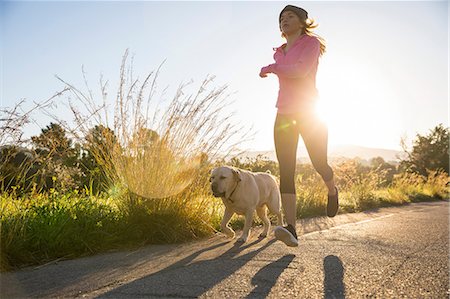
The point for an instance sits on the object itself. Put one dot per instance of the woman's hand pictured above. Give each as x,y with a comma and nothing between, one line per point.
265,70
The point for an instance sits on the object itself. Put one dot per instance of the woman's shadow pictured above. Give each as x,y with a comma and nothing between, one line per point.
333,282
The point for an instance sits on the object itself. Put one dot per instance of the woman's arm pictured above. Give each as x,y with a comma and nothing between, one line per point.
302,67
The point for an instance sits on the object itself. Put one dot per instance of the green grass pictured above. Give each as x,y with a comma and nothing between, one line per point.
45,227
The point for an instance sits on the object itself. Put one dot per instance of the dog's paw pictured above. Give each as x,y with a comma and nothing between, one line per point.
231,235
228,232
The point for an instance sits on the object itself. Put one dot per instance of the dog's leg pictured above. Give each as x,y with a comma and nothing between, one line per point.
224,225
247,225
274,206
279,219
262,214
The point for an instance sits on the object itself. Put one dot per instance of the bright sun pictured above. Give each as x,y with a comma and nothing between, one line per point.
322,111
358,107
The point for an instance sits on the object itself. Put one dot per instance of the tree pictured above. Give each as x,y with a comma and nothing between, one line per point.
58,159
95,161
55,144
429,152
18,167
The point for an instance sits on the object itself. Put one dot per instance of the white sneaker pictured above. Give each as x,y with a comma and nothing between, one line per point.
287,235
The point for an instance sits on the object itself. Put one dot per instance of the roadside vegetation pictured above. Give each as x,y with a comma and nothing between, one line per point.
122,175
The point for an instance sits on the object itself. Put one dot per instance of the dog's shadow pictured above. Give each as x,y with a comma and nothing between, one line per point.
191,279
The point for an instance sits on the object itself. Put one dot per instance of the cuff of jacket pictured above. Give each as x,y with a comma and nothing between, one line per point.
269,68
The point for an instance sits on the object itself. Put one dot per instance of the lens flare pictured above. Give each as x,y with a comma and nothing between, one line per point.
155,173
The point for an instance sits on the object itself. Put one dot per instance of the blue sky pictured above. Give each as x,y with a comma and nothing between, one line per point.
384,75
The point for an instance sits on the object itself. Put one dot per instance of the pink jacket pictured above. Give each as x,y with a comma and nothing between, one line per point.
296,71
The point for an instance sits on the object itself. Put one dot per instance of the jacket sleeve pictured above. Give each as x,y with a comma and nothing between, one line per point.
303,65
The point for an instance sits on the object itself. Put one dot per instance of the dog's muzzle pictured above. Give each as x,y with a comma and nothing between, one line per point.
215,192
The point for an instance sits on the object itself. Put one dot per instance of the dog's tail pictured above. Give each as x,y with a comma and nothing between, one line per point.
275,177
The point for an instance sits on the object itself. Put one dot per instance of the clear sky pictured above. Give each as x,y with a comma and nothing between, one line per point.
384,75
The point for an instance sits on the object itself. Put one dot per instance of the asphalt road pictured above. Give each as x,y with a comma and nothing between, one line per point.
396,252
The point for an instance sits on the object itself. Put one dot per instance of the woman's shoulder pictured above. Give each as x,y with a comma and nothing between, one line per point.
312,39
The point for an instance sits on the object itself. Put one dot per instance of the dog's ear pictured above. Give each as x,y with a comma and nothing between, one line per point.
237,174
211,173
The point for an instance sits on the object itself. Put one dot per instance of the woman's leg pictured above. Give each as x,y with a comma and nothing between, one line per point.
286,140
315,136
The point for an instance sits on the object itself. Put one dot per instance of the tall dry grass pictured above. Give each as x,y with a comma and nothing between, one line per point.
410,187
153,154
159,151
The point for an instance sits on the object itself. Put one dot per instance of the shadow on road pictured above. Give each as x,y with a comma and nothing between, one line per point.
266,278
333,284
190,279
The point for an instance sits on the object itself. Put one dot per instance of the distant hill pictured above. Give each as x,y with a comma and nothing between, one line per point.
338,152
366,153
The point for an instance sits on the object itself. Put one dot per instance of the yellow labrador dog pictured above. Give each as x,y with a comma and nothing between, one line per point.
243,192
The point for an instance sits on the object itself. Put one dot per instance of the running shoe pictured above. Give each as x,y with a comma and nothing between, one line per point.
333,204
287,234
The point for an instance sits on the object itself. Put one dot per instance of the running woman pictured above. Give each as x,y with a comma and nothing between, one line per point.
296,63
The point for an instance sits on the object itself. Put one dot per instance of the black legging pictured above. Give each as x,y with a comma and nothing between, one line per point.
315,136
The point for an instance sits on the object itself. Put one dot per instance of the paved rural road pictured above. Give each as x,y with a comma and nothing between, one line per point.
387,253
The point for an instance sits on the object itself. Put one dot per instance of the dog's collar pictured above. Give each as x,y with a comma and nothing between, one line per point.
229,198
